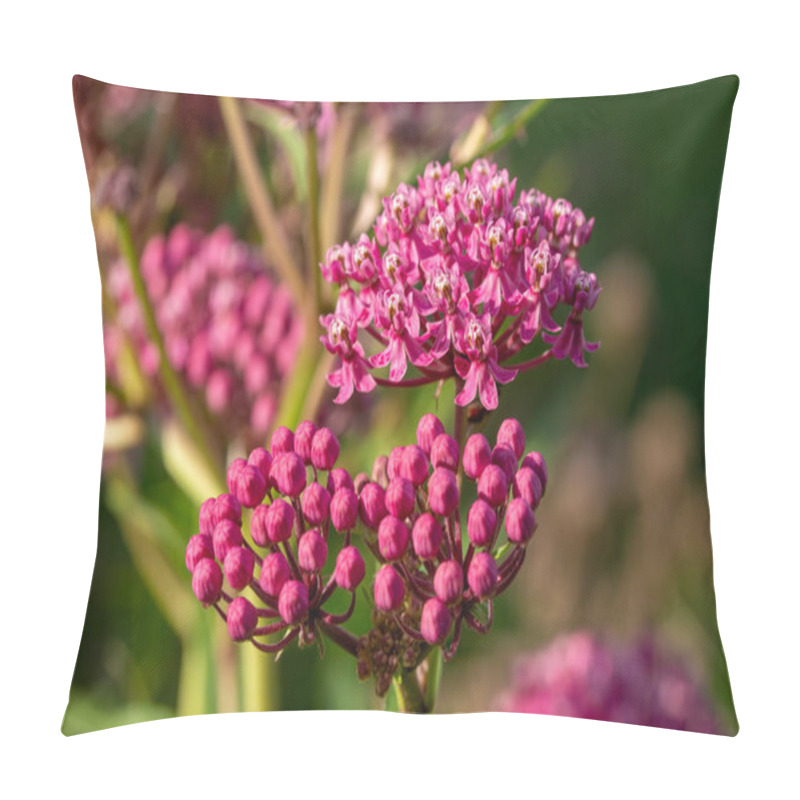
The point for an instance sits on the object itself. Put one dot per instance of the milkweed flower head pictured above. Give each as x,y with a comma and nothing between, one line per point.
583,675
439,572
230,330
458,276
261,555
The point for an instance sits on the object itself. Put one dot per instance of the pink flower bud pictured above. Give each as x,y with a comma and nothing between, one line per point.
288,473
251,486
511,433
477,455
278,521
504,457
389,589
399,497
537,463
380,471
350,569
393,463
232,475
428,428
520,521
481,523
227,534
208,519
392,538
482,575
444,452
315,503
242,619
427,536
274,573
344,509
324,449
312,551
282,441
293,602
207,581
303,436
448,582
339,478
371,505
258,526
528,486
493,486
227,507
442,492
198,547
435,623
261,459
414,465
239,563
359,482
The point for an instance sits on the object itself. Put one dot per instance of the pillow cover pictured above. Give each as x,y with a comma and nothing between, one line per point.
363,446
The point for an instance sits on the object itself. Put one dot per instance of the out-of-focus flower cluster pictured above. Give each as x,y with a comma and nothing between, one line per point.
433,579
580,675
457,278
229,329
290,497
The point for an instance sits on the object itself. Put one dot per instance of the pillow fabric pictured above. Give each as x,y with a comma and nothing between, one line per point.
404,407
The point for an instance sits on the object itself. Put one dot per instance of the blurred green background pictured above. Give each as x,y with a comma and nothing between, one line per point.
623,540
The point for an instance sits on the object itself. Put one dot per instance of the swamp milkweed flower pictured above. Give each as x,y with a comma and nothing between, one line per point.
457,278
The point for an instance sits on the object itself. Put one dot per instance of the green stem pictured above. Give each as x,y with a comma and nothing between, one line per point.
434,677
172,382
409,695
313,215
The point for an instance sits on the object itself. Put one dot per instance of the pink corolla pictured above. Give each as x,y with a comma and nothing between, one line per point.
353,373
445,256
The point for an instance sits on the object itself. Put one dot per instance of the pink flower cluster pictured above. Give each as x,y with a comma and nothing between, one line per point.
580,675
411,511
291,496
457,278
228,328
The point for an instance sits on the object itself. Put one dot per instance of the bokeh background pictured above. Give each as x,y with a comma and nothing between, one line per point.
623,545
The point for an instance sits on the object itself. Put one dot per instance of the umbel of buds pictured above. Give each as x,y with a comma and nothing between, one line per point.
458,277
440,572
272,586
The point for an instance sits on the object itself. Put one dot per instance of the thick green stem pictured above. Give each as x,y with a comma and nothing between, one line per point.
172,382
409,696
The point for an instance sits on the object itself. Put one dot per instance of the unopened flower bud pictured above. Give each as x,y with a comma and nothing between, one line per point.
251,486
435,622
198,547
520,521
344,509
428,428
389,589
442,492
350,569
242,619
227,534
477,455
371,505
303,436
414,465
528,486
511,433
279,521
537,463
448,582
293,602
288,473
392,538
504,457
481,523
393,464
482,575
227,507
324,449
339,478
380,471
208,519
399,497
262,460
207,581
359,482
444,452
315,503
493,486
312,551
282,441
239,563
234,468
274,573
427,536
